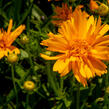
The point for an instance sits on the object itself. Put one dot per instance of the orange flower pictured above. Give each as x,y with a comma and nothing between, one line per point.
81,45
93,5
62,14
7,38
108,1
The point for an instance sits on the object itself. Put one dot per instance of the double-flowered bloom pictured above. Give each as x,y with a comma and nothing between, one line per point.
81,46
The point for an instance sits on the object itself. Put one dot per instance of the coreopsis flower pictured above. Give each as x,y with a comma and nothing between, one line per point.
62,14
81,46
93,5
108,1
7,38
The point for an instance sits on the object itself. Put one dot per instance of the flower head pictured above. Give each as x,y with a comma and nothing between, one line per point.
81,45
62,14
108,1
7,38
93,5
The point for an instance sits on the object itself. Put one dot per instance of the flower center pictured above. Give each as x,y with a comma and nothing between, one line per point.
79,48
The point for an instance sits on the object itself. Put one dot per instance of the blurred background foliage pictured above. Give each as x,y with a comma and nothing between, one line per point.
50,91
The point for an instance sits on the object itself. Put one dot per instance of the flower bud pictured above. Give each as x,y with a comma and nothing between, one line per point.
93,5
103,10
24,39
12,58
29,85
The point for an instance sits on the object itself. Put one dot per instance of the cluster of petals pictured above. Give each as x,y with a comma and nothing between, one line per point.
7,38
93,5
64,13
81,46
61,14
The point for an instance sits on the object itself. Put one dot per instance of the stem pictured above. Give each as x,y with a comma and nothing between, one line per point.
78,96
27,101
106,96
13,79
61,83
51,79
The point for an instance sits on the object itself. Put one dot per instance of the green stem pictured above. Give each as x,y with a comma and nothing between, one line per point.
15,89
78,97
51,79
106,97
27,101
61,83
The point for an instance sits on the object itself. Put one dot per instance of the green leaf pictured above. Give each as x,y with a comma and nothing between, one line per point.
37,12
24,54
67,102
10,96
25,14
20,71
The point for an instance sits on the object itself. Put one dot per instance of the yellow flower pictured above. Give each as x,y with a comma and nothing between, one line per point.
7,38
81,45
93,5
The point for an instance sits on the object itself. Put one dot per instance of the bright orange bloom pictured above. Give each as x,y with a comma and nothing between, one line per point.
7,38
108,1
62,14
81,45
93,5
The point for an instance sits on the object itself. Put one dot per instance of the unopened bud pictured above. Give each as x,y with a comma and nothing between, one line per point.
103,10
29,85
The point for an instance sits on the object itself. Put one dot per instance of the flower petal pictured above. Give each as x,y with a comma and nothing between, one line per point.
15,34
10,26
62,66
98,66
52,57
78,76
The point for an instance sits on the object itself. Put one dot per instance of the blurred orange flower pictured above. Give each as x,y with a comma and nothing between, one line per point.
108,1
7,38
62,14
93,5
81,45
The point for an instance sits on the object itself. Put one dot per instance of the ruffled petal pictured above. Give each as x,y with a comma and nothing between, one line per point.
98,66
85,70
2,53
62,66
51,57
100,52
78,76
